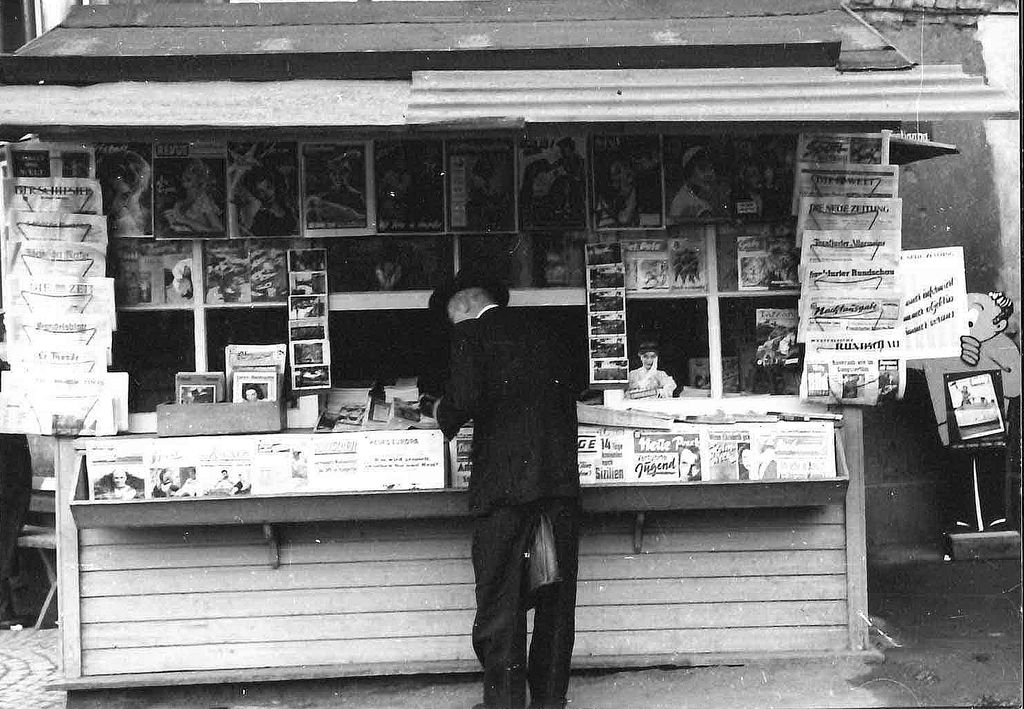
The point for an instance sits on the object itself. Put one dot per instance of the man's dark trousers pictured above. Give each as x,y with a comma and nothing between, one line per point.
500,539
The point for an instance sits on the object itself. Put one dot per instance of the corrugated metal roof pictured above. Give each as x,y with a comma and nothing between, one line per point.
187,42
503,99
778,94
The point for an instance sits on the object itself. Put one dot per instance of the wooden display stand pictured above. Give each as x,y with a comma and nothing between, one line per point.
220,419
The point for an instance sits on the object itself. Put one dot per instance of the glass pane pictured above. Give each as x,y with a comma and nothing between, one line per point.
242,326
152,347
528,260
759,350
386,263
678,328
757,257
386,345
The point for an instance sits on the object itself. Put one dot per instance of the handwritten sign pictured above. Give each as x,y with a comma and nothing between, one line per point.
934,302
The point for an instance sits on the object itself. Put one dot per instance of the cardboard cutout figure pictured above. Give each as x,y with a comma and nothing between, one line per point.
987,347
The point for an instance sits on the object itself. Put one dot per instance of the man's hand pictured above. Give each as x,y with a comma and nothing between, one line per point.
970,350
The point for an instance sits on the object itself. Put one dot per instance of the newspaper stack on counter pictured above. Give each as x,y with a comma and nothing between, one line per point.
849,221
59,308
309,343
606,314
695,453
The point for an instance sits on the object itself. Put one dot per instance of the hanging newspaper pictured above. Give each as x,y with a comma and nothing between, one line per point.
66,405
867,314
606,314
850,246
56,226
814,180
854,378
934,302
852,149
849,214
52,296
78,360
850,278
61,332
70,195
32,158
55,258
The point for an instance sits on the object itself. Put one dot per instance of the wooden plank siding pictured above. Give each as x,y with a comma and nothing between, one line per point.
205,598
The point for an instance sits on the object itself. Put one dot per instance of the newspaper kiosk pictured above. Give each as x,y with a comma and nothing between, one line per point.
722,562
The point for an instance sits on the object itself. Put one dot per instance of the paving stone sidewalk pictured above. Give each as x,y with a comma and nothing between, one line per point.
28,661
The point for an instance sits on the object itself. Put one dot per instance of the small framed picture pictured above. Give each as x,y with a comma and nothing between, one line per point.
248,386
203,394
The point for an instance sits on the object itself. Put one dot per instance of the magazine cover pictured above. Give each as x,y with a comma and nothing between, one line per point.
263,189
409,185
775,331
254,357
125,174
336,186
698,373
117,471
190,190
752,263
254,385
646,264
792,450
307,259
224,465
728,453
268,271
974,405
281,464
687,260
627,181
783,259
199,387
667,455
227,272
481,185
552,182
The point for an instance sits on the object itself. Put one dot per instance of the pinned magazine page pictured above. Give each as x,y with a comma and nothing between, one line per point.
60,259
849,214
263,189
53,296
552,182
66,332
646,264
71,195
223,464
56,226
481,184
268,272
335,463
337,183
687,258
846,277
402,460
844,148
974,405
152,272
409,185
934,302
190,190
852,378
227,272
118,470
851,246
125,174
33,158
627,181
282,464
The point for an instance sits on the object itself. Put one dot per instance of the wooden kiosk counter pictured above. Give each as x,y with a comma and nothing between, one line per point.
623,101
193,591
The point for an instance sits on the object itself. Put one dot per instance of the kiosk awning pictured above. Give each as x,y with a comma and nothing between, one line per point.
511,98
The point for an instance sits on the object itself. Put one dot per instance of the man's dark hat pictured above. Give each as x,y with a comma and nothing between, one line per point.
469,278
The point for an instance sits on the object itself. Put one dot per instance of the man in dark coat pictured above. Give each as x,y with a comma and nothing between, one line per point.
514,386
15,495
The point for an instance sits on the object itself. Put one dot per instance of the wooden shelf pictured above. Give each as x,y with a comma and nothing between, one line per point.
425,504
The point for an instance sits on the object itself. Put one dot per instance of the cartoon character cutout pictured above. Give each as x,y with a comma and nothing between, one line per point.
986,347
